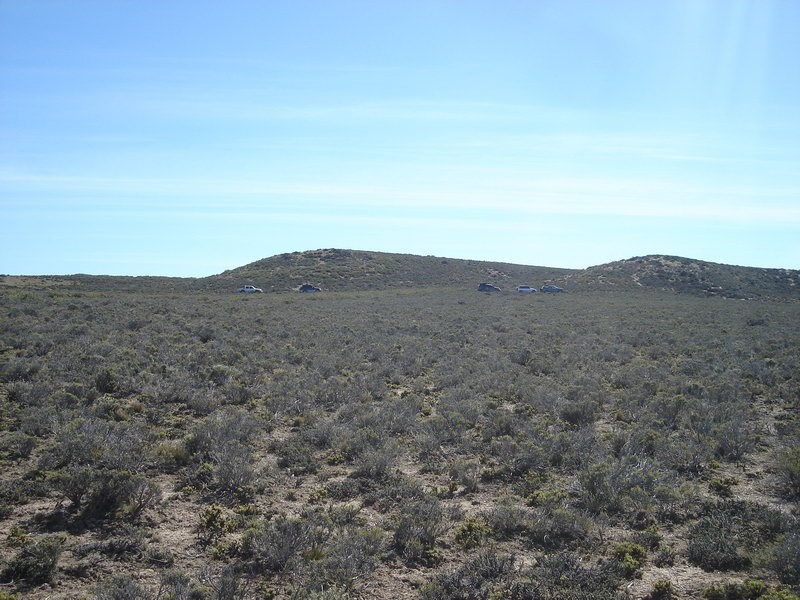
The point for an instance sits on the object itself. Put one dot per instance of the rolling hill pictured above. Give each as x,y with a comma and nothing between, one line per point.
689,276
346,270
341,270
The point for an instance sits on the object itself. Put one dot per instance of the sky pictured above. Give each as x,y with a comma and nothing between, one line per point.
184,138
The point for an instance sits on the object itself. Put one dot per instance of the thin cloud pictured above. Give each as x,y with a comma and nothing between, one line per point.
230,199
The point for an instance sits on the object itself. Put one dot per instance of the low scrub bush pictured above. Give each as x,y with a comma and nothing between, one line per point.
662,590
471,532
273,547
730,532
474,580
716,543
786,558
296,457
790,469
554,528
347,557
751,589
35,563
563,577
418,528
630,558
129,545
507,520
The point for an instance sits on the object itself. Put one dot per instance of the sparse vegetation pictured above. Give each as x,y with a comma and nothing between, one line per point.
430,442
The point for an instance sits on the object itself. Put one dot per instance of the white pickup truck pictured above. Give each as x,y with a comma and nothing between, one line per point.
250,289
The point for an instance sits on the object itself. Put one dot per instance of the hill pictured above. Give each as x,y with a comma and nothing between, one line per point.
357,270
689,276
346,270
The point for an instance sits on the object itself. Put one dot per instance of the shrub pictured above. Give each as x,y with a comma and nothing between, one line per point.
101,493
213,523
350,555
471,581
790,469
418,528
554,528
19,445
507,519
663,590
233,470
226,584
786,558
664,557
127,545
622,486
296,456
751,589
723,487
121,587
730,531
562,576
471,532
142,493
174,585
224,426
272,547
17,537
106,382
630,558
715,544
35,563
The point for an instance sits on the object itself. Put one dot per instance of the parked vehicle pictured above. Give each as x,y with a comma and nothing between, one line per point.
552,289
526,288
308,288
488,287
249,289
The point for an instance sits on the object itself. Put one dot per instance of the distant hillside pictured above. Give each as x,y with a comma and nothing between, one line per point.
97,283
689,276
341,270
352,270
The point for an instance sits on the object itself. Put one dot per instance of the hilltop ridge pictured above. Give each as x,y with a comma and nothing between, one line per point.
346,270
690,276
343,270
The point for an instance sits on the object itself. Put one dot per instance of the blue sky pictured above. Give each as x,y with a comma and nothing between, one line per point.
188,137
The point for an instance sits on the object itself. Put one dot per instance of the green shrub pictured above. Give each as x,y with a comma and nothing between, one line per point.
723,487
630,558
507,520
471,532
751,589
663,590
106,382
348,556
212,524
296,457
554,528
17,537
664,556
